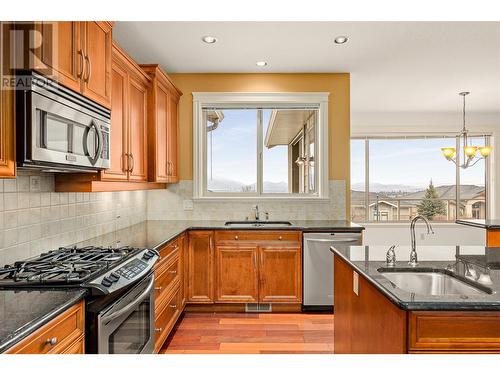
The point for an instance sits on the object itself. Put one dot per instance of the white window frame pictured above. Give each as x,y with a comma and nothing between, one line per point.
256,100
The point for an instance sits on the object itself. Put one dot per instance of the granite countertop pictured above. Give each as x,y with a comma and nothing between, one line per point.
24,311
367,260
154,234
485,224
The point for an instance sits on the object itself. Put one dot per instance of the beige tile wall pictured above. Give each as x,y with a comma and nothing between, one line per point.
168,205
34,218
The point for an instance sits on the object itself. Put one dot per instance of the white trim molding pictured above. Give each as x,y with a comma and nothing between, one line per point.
202,100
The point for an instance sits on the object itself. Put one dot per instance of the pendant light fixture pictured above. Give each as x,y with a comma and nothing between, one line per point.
466,156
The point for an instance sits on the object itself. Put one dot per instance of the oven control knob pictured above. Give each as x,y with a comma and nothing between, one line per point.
114,277
148,255
106,282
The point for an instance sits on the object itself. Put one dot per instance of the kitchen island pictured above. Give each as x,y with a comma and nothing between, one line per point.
449,303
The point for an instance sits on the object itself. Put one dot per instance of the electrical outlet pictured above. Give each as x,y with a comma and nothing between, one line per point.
34,183
188,205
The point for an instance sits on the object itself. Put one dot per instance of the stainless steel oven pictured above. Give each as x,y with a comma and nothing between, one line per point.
59,129
126,324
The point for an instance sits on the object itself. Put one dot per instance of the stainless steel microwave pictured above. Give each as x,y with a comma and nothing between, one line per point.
59,130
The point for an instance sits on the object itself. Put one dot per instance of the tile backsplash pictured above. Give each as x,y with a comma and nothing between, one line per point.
169,205
34,218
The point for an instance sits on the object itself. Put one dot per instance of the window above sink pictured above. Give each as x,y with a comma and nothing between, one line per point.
254,146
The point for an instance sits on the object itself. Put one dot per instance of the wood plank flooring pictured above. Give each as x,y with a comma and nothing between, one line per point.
241,333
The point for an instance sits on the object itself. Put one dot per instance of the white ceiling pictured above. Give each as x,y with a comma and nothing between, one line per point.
394,66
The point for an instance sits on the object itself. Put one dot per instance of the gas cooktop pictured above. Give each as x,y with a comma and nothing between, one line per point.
101,269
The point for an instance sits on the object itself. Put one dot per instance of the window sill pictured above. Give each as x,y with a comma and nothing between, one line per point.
407,224
261,199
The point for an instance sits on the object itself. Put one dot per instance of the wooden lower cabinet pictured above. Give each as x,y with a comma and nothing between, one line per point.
369,323
280,274
167,316
237,274
201,267
63,334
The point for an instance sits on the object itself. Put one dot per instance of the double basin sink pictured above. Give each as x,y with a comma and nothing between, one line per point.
433,282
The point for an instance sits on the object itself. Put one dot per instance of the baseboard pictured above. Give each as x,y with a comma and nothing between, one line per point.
240,307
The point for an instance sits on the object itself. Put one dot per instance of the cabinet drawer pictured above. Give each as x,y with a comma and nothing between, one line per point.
166,319
258,236
64,330
165,277
454,331
166,252
77,347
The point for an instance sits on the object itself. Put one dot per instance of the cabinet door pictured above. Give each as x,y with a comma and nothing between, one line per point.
97,39
237,274
119,115
172,137
7,146
162,119
201,267
61,50
280,274
137,124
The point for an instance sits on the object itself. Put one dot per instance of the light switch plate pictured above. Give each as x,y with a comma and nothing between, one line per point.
355,283
34,183
188,205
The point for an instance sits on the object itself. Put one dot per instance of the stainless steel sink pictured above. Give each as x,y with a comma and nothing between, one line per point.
250,224
432,283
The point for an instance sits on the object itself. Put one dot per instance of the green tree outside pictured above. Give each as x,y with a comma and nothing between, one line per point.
431,205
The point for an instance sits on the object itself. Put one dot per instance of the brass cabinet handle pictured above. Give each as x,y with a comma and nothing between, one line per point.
89,68
51,341
158,329
173,306
158,288
82,64
254,261
133,163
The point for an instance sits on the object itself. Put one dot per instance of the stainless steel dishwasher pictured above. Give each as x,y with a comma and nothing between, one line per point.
318,267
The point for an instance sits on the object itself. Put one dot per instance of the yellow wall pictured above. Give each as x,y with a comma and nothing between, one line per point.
338,109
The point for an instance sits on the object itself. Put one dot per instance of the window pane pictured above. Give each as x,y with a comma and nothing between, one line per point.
289,150
358,206
472,187
401,173
231,150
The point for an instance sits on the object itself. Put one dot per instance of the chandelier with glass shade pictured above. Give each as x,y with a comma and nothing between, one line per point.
470,154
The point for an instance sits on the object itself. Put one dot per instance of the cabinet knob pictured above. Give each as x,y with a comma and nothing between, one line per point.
280,238
158,288
173,306
173,272
236,237
51,341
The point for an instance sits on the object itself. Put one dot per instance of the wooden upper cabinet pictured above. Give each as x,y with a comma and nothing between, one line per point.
129,147
119,138
201,267
79,54
236,274
163,126
7,118
62,51
97,41
280,273
138,169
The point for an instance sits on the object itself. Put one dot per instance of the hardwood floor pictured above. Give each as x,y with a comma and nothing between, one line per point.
240,333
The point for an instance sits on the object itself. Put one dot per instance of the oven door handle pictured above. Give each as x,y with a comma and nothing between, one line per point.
337,240
130,306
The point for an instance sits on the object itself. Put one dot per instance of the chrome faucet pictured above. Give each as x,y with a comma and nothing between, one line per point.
413,253
390,257
257,213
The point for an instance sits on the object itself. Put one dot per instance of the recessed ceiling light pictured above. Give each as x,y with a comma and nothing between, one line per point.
340,39
261,63
209,39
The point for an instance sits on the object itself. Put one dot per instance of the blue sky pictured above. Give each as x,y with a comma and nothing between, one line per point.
412,162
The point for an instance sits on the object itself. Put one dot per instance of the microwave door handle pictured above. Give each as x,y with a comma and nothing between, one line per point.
100,142
131,305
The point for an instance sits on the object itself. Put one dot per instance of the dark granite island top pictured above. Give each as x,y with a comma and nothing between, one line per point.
483,261
24,311
485,224
156,233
